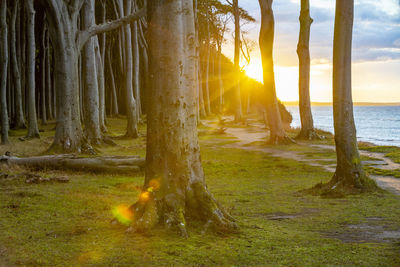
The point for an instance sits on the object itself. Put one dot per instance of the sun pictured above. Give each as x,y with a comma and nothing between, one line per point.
254,70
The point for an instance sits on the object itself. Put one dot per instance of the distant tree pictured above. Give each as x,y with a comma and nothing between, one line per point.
67,41
33,130
3,71
303,50
174,187
349,175
277,132
238,101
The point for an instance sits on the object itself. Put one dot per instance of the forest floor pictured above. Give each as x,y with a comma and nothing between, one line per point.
68,224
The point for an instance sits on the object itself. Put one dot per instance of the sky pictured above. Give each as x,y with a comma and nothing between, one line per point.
376,49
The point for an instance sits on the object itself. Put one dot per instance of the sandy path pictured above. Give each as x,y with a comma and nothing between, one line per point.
254,133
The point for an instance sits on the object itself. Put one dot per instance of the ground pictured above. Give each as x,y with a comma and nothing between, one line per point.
55,224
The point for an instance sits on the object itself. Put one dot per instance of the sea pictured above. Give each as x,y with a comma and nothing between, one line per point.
375,124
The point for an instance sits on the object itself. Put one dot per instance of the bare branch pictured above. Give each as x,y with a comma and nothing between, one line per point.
85,35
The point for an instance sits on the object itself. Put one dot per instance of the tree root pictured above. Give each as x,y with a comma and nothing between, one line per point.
172,211
340,188
281,140
309,135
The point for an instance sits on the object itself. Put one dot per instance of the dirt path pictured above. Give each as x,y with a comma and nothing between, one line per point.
255,133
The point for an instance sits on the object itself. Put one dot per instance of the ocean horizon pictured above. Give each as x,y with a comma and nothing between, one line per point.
377,124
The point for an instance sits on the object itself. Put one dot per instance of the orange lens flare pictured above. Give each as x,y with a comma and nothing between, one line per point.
154,185
144,197
123,214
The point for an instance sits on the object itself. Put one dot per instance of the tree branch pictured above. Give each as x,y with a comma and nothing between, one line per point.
84,36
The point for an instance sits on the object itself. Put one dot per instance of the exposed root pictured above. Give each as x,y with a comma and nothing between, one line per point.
338,187
281,140
309,135
172,211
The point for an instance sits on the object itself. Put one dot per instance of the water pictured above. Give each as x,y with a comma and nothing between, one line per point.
376,124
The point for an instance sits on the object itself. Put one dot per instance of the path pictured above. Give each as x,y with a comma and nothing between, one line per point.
255,133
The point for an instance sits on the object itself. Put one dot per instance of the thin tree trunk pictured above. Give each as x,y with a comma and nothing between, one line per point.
131,130
3,72
48,80
174,184
277,132
90,84
19,120
303,50
33,130
220,79
136,68
43,111
349,171
101,86
237,99
207,69
114,110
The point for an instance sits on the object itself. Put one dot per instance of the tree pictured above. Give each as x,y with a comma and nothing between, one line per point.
67,41
303,51
3,71
33,130
19,120
349,175
238,99
91,85
174,184
277,132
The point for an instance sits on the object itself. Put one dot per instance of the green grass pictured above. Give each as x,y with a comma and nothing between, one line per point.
392,152
69,224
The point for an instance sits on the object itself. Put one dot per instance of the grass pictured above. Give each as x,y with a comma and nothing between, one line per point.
69,224
392,152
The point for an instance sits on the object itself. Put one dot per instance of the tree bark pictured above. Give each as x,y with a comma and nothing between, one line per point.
126,165
90,84
19,119
131,112
114,109
277,132
3,72
174,184
43,111
349,171
238,99
303,51
101,84
33,130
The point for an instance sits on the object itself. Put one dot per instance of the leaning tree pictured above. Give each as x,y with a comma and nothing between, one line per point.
174,186
349,175
277,131
67,41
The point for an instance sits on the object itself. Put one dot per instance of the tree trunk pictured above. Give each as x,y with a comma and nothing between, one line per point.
33,130
220,79
277,132
238,99
126,165
349,171
49,89
174,184
3,72
101,85
42,102
90,84
303,51
207,69
136,68
19,120
114,110
131,112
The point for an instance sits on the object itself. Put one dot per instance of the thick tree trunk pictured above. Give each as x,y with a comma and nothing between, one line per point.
277,132
174,184
349,170
3,72
33,130
131,112
19,119
238,99
303,51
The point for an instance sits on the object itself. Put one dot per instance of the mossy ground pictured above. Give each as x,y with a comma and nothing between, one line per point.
69,224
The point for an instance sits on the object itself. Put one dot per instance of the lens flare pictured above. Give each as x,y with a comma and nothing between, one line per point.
144,197
154,184
123,214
